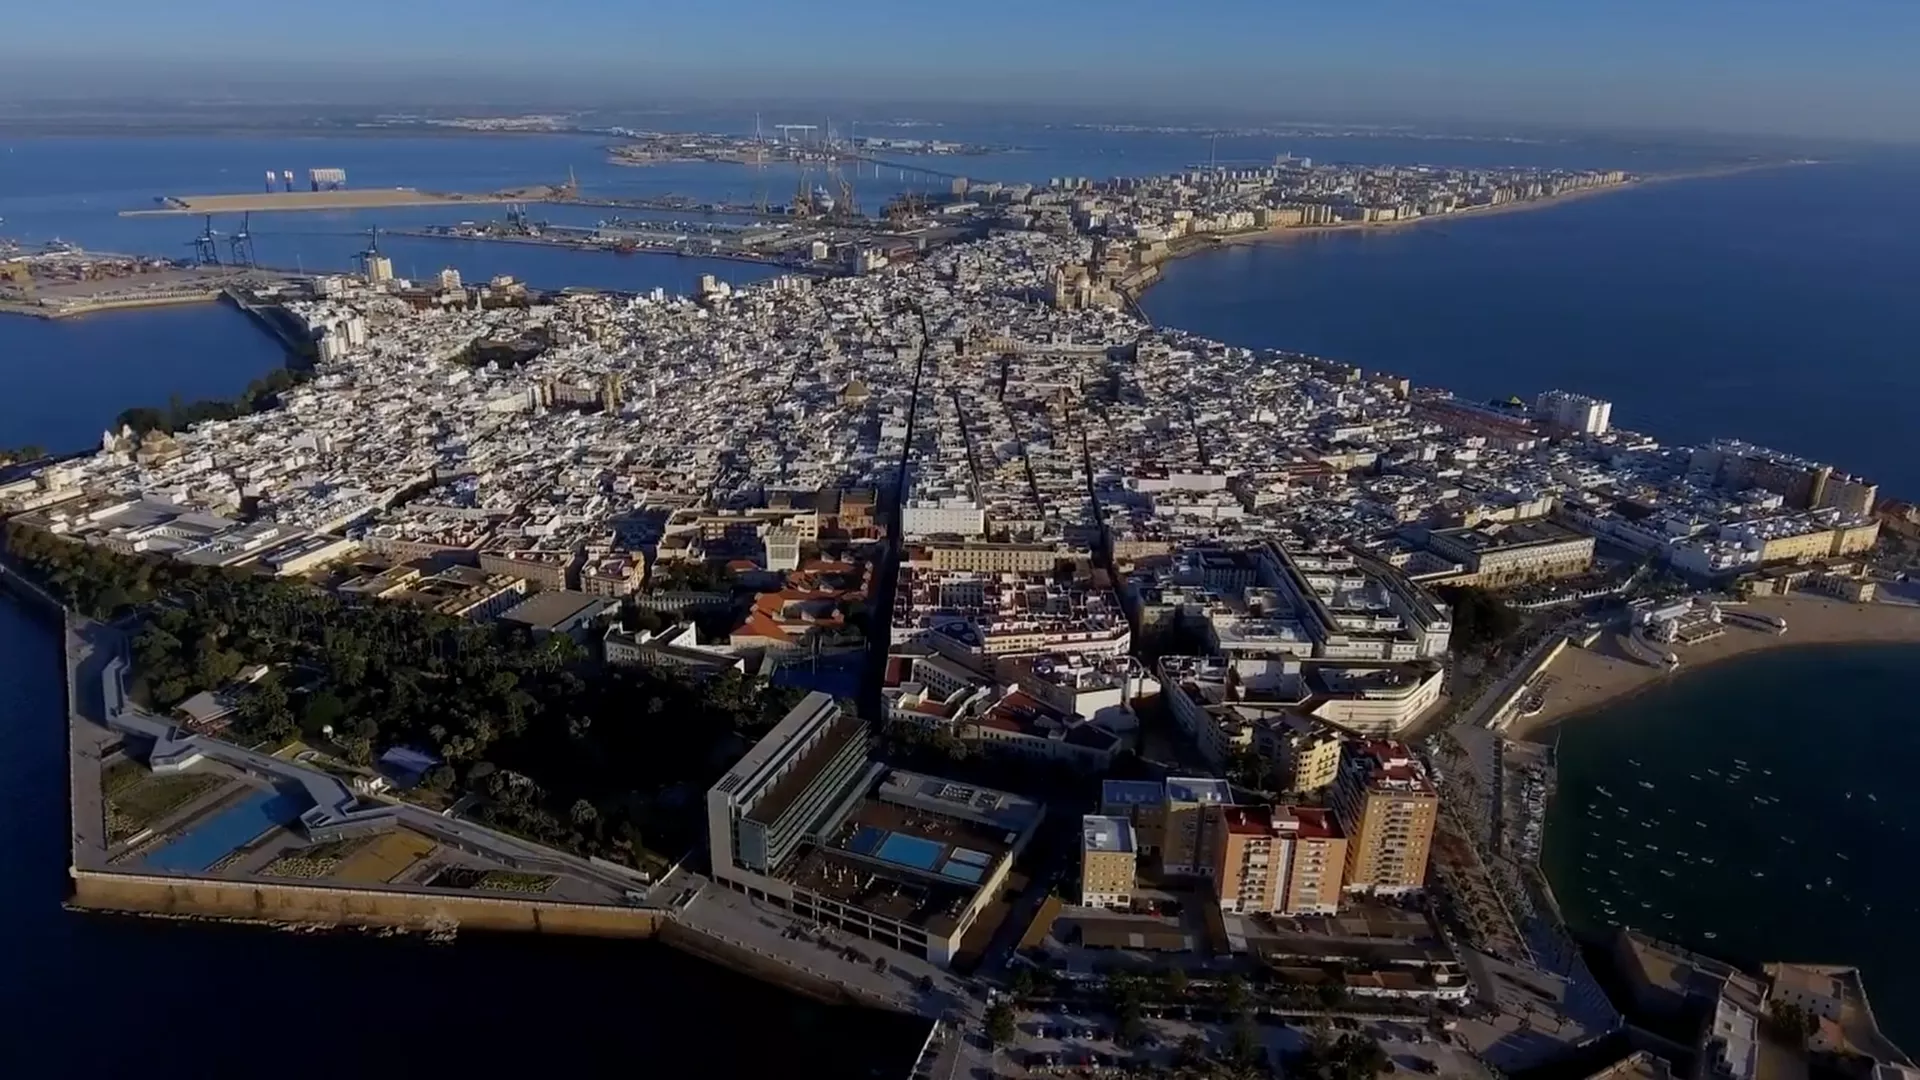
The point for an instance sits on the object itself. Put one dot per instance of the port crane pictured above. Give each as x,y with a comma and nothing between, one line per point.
206,246
240,244
365,258
803,195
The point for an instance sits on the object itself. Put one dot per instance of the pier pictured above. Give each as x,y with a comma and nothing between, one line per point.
372,199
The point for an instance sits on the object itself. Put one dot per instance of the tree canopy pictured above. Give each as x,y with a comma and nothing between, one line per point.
260,395
1481,619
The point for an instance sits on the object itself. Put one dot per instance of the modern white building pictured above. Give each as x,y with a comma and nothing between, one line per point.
1577,414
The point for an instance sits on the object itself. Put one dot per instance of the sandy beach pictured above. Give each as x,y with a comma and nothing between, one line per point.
1585,679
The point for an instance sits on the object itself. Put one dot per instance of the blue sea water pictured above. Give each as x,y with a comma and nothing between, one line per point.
1778,306
63,381
1743,810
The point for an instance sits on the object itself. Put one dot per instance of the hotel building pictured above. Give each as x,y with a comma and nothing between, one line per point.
808,822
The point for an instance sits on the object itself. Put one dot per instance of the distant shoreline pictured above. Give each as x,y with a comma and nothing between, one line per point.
1586,681
1285,233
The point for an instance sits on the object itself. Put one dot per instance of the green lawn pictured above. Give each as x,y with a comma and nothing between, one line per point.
120,776
512,881
145,802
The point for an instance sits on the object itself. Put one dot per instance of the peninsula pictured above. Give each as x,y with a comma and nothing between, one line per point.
940,634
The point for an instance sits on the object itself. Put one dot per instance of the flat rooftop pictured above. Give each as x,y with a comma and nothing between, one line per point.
1114,834
1132,792
555,607
928,903
911,861
843,730
1198,789
1500,535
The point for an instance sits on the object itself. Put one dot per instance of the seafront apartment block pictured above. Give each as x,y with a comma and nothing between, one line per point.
1387,807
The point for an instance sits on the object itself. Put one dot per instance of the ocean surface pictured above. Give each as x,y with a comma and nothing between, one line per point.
65,380
1757,809
1767,305
96,995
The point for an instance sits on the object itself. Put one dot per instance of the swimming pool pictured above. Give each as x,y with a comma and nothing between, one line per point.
211,840
914,851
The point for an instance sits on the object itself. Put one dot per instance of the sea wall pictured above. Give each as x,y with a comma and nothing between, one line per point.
764,968
29,593
330,906
1503,715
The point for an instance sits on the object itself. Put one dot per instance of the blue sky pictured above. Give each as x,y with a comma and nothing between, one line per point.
1843,67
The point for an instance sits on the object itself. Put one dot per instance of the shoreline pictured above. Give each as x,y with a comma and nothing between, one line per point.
1280,234
1587,681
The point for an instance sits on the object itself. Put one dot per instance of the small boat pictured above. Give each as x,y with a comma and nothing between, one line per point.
1843,856
1759,873
1871,798
1740,763
1666,873
1702,824
1693,776
1711,935
1603,791
1647,784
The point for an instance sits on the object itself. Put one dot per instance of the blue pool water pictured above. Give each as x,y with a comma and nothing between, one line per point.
963,872
208,842
866,840
911,851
